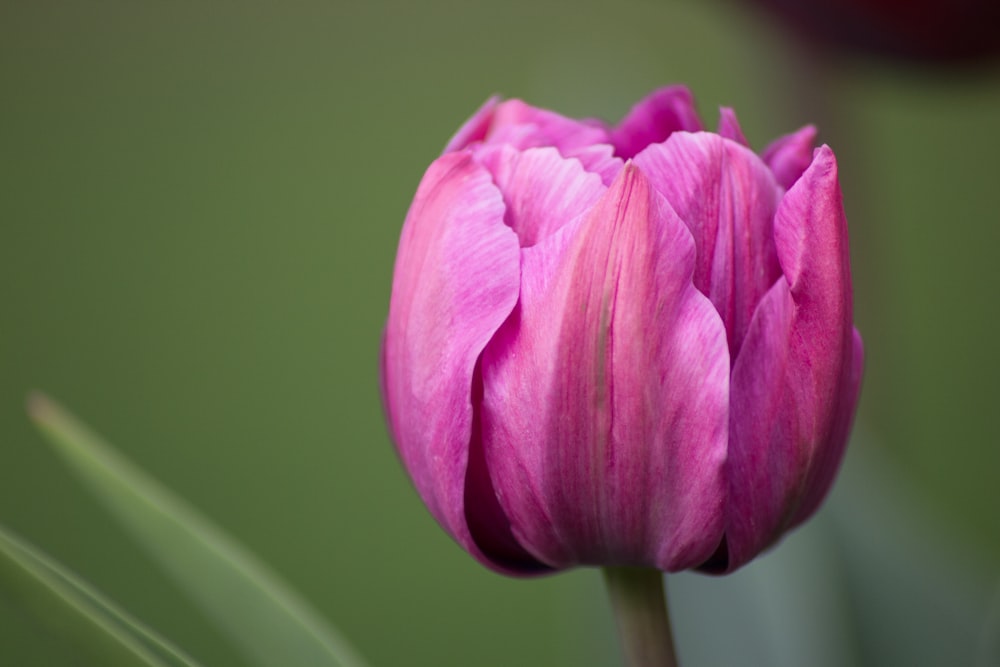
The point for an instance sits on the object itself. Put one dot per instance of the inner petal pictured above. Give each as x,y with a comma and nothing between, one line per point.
727,197
654,118
524,126
541,189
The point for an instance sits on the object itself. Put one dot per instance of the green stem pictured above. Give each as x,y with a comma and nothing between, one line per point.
640,607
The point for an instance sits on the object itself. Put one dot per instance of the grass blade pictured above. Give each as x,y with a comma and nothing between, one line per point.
263,617
75,610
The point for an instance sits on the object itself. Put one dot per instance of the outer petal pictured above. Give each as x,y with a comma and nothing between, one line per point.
456,280
606,394
795,380
790,155
655,118
827,461
728,198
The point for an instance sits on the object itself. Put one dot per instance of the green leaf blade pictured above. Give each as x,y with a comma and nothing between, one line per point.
73,609
264,618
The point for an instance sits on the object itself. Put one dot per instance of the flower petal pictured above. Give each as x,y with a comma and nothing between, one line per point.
728,197
795,380
827,461
542,190
654,118
598,159
729,127
790,155
456,280
605,412
524,126
475,128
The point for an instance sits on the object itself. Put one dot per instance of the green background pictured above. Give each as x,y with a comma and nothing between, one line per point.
199,208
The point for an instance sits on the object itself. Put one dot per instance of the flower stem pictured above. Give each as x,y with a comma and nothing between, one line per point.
640,607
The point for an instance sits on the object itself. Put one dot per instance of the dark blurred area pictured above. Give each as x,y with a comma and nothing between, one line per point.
958,33
200,206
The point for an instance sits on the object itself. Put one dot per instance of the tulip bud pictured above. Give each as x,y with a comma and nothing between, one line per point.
625,345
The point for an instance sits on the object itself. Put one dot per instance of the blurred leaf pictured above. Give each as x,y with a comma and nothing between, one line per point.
69,606
268,622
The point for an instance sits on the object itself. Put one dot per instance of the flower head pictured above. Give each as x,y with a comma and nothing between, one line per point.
626,345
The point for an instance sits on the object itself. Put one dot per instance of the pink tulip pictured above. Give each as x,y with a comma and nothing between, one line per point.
621,346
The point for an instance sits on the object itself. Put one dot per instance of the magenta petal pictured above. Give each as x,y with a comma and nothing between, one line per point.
794,383
475,128
727,197
524,126
598,159
542,190
655,118
827,462
790,155
456,280
605,413
729,127
766,460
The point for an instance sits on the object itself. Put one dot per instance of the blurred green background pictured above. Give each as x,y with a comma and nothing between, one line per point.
199,205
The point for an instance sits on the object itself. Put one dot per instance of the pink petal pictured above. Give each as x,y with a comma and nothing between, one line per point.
598,159
827,461
456,280
655,118
475,128
542,190
729,127
790,155
524,126
605,412
487,521
795,380
728,197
